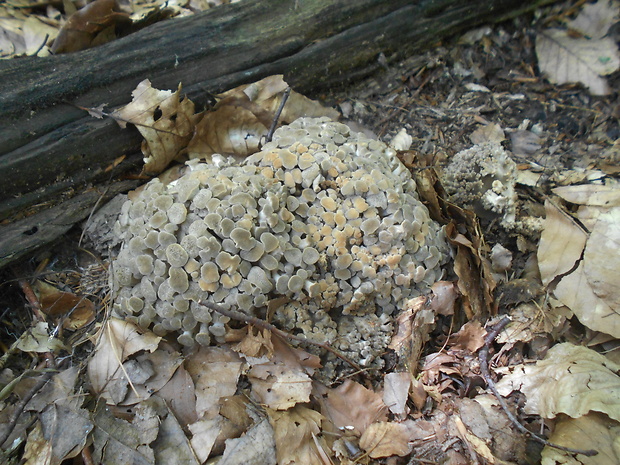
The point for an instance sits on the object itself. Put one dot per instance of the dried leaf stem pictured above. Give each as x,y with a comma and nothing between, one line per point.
276,117
483,356
250,320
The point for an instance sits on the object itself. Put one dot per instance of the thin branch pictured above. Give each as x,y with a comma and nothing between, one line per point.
250,320
276,118
483,356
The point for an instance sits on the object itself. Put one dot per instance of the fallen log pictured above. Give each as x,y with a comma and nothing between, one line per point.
52,150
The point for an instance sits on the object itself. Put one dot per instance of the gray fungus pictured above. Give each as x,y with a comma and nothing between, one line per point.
322,216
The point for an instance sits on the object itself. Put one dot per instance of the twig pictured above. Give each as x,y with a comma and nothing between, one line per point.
250,320
483,356
272,129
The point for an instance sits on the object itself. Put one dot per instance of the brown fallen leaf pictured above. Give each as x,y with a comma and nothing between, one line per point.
396,392
165,121
284,380
215,371
74,311
294,432
592,431
91,25
118,340
243,115
351,405
384,439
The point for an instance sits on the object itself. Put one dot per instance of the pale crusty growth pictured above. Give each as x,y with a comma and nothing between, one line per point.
326,217
483,178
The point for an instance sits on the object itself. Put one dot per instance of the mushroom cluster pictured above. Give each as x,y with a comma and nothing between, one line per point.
323,217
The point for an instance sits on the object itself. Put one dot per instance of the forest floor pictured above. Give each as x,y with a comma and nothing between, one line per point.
545,255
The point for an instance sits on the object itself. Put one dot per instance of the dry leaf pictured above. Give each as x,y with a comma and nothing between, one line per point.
37,450
590,289
561,244
491,133
567,59
470,337
82,28
215,371
592,431
118,340
396,392
165,121
243,116
571,379
172,445
150,372
602,262
256,447
595,19
204,434
351,404
38,339
76,311
66,429
524,143
283,381
385,439
294,430
590,194
117,441
180,396
474,442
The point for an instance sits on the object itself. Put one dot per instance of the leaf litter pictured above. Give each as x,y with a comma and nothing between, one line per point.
250,399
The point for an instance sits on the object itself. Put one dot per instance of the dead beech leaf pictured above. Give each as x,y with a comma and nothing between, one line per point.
255,345
228,130
39,339
415,323
593,431
204,434
118,340
561,244
284,380
491,133
243,115
156,369
83,27
571,379
37,447
384,439
590,194
294,431
165,121
474,441
180,396
470,337
351,404
396,392
118,441
575,292
215,371
172,445
567,59
255,447
75,311
602,262
66,429
595,19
